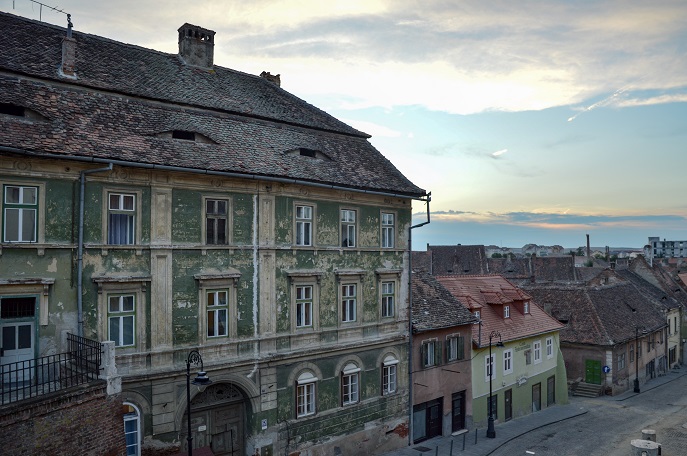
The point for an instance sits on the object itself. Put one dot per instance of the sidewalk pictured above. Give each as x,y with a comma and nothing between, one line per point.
505,432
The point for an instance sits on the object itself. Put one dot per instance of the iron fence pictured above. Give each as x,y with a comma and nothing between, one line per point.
34,377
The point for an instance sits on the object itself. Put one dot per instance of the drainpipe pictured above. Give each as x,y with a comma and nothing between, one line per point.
79,254
410,320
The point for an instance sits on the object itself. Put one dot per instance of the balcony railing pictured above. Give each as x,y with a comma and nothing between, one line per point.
35,377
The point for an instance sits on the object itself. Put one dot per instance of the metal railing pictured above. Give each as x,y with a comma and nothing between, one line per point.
35,377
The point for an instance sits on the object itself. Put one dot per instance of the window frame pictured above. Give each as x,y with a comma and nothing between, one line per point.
344,242
508,361
526,307
348,303
536,352
306,382
621,361
136,417
136,213
549,347
228,218
459,347
487,370
121,314
227,282
389,371
216,309
388,230
39,228
21,207
114,286
303,221
387,299
306,306
350,385
430,353
304,279
506,311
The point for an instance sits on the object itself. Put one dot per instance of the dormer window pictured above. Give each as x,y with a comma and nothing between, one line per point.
186,135
477,314
306,152
183,134
11,109
526,307
506,311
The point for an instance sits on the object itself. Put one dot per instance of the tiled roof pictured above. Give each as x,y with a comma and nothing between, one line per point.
541,269
490,292
598,315
434,307
458,259
421,261
126,98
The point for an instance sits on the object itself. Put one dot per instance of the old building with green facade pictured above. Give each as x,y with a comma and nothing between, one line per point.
169,205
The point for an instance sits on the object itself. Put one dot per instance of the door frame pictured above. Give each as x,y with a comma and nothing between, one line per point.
508,404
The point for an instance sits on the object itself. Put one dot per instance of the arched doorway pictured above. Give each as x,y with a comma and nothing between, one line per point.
217,420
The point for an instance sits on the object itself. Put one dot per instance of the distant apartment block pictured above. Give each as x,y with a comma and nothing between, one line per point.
658,248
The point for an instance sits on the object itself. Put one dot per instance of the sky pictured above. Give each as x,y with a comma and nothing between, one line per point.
529,122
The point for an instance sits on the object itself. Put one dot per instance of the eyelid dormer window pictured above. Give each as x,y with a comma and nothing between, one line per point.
307,152
14,110
186,135
183,134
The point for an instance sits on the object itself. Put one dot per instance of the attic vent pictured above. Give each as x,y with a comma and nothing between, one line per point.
183,134
305,152
12,110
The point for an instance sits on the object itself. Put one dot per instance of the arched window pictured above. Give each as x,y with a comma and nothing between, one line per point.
389,375
305,394
350,381
132,429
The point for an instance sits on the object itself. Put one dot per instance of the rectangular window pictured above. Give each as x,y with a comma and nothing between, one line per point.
217,312
305,399
621,361
388,230
489,366
349,388
304,225
506,311
632,353
121,219
20,214
455,348
388,294
348,303
639,350
477,314
549,347
348,226
388,379
121,315
508,362
526,307
304,306
537,352
216,221
528,357
431,354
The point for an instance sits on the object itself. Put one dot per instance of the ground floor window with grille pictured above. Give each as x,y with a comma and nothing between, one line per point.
305,394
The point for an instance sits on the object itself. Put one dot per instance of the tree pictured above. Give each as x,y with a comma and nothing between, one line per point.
496,255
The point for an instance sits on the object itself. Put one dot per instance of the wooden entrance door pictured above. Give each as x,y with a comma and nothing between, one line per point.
508,404
592,371
536,397
458,411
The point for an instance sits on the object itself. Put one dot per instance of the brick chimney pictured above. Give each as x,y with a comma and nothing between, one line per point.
67,68
196,45
274,78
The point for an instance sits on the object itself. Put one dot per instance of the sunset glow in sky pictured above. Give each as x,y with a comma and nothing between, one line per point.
529,121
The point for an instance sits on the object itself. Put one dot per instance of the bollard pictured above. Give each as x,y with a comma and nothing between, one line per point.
436,451
645,448
464,435
451,452
475,436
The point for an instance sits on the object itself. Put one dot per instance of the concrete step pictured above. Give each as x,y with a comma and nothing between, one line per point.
587,390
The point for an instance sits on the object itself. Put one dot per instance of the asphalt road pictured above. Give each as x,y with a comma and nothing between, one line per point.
610,425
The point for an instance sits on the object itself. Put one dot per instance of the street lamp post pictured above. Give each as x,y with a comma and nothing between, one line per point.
491,432
637,356
201,380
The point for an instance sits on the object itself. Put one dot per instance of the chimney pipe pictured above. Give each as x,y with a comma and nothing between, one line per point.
67,68
589,250
274,78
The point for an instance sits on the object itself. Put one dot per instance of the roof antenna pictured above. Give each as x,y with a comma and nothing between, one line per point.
69,25
40,14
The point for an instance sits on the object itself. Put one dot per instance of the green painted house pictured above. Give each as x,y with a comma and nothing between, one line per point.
517,365
170,205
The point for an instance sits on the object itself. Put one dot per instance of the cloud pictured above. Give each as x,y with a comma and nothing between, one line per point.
498,153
